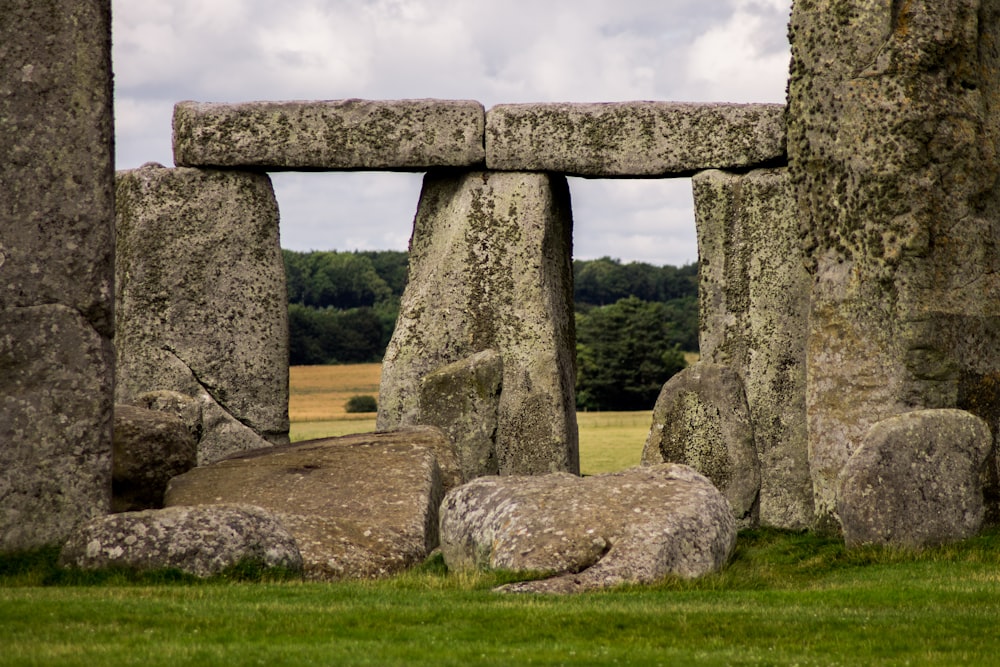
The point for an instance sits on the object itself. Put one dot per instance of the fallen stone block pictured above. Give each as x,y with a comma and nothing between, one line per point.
915,480
701,419
463,400
634,526
360,506
633,138
400,135
150,447
202,541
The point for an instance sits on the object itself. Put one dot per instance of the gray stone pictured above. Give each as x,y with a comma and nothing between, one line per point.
401,135
360,506
150,447
915,480
463,400
893,139
202,541
185,408
701,419
754,294
634,526
633,138
202,301
56,268
490,269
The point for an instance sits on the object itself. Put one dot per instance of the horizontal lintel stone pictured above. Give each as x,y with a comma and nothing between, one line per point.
338,135
633,139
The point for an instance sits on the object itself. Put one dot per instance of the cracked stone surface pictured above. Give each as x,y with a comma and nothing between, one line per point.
634,526
56,269
201,301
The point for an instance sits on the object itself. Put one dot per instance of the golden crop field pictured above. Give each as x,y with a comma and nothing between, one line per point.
609,441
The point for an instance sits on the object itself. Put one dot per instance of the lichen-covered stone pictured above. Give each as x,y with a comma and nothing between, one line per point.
634,526
56,268
202,541
633,138
360,506
754,294
915,480
202,301
401,135
463,400
490,268
701,419
894,126
150,447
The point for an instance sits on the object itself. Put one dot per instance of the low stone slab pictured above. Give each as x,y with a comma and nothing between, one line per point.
401,135
701,419
150,447
916,480
360,506
634,526
198,540
633,138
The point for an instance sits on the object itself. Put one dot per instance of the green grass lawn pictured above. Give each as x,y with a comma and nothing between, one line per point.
786,599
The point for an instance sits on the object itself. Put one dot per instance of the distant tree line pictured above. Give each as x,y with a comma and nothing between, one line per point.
634,321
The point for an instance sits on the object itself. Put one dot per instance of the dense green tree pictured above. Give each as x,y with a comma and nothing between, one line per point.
331,336
623,357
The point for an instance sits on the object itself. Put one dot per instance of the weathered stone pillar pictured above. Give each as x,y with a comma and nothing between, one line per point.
754,296
56,268
490,268
893,137
202,301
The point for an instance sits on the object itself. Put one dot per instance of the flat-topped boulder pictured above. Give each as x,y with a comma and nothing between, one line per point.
634,526
400,135
360,506
633,139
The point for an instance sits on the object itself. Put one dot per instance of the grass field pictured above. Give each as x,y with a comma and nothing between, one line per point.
609,441
786,599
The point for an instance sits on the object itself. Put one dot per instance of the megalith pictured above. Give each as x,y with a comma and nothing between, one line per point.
202,301
916,480
490,268
56,268
754,298
894,124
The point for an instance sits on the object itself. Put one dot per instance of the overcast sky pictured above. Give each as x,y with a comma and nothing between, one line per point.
493,52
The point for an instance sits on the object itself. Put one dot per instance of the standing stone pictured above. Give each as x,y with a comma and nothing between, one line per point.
915,480
202,301
701,419
56,268
490,268
463,400
893,152
754,294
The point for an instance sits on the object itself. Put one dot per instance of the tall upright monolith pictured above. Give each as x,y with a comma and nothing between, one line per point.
894,125
56,268
490,268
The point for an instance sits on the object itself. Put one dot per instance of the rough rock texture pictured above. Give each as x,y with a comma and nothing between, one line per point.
56,268
892,144
633,138
915,480
402,135
629,527
185,408
150,447
701,419
463,400
202,301
360,506
490,269
754,295
198,540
